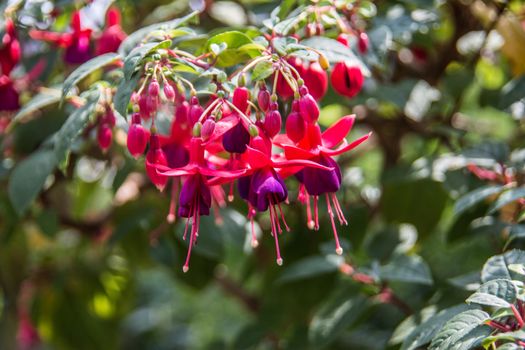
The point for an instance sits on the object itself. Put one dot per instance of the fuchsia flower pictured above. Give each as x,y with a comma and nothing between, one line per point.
320,148
76,42
195,196
112,36
10,52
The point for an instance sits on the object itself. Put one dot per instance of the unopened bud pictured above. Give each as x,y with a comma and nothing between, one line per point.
323,62
196,132
254,132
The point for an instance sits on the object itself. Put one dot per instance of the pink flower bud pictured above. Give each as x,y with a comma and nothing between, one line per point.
137,137
104,136
295,126
241,95
182,112
207,129
272,123
169,92
195,110
109,118
308,107
154,88
263,98
343,39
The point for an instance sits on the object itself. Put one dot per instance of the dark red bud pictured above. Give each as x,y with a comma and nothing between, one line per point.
154,88
362,43
156,156
104,136
263,98
207,129
347,80
295,127
169,92
137,137
272,123
308,108
241,95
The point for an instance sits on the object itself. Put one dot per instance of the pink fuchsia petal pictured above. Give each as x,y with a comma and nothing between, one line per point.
60,39
223,125
292,152
256,159
167,171
338,131
346,147
300,162
226,174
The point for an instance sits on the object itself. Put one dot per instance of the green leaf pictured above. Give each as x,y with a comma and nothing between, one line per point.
474,197
28,178
337,315
497,267
506,198
502,337
262,70
498,293
284,27
123,94
87,68
423,333
44,99
335,52
407,268
73,127
461,329
310,267
137,55
232,47
135,38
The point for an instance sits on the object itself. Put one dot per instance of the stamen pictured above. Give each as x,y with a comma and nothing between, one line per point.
273,215
338,248
276,239
316,213
309,221
255,242
339,211
173,202
282,217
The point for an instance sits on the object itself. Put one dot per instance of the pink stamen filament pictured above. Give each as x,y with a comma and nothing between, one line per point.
282,215
274,234
338,248
173,202
316,213
195,217
309,221
338,210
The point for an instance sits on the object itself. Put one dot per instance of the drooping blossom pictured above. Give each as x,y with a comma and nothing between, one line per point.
77,42
10,52
112,35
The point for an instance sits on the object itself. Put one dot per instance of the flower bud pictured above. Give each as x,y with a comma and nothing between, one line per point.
295,126
347,80
308,108
241,95
109,118
253,130
153,89
362,43
323,62
316,80
207,129
272,123
263,98
197,127
104,136
195,110
137,137
169,92
182,112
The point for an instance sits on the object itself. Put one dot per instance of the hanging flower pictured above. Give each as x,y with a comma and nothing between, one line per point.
112,35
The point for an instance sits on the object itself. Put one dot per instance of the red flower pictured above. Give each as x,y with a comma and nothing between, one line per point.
76,42
112,36
347,80
10,52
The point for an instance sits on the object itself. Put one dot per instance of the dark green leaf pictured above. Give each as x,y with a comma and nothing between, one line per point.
28,178
123,94
44,99
459,329
498,293
85,69
310,267
407,268
423,333
497,267
73,127
512,92
472,198
333,318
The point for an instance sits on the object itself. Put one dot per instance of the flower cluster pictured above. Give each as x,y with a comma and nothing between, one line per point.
237,136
